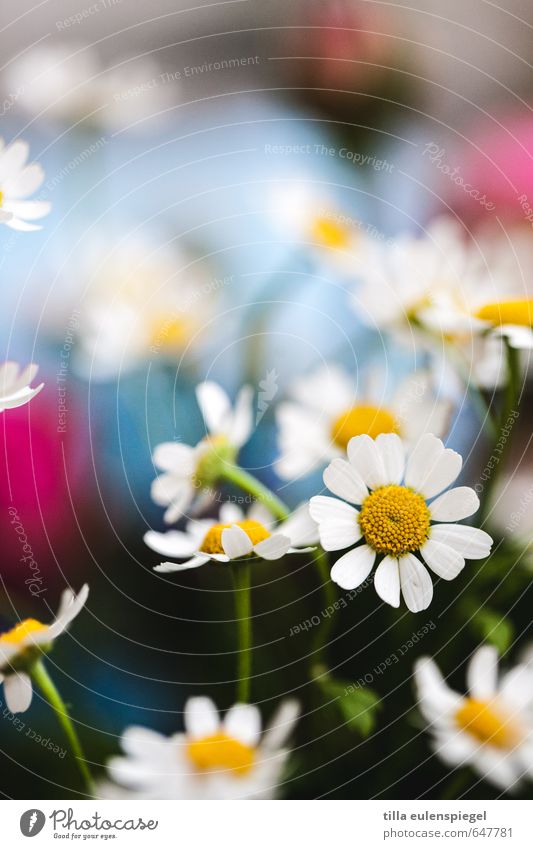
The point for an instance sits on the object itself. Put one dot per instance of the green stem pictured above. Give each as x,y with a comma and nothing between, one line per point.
241,571
510,404
47,687
246,481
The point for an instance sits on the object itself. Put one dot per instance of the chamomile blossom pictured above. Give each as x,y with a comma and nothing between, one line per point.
398,517
189,471
325,412
213,759
441,285
490,729
140,301
15,389
23,645
313,219
234,535
19,180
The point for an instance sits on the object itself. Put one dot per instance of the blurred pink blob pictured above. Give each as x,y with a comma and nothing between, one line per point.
497,162
41,470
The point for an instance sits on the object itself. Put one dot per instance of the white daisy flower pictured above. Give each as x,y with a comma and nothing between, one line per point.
310,218
142,301
189,471
15,389
213,759
440,284
398,516
234,536
23,645
491,729
18,180
326,413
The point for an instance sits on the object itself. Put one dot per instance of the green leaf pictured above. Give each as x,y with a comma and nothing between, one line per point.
358,705
494,628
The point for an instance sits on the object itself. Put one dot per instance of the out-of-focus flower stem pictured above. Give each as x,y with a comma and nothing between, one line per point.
47,687
243,616
324,628
246,481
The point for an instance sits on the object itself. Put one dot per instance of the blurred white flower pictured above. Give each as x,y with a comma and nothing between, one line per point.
310,219
15,389
71,83
189,471
395,519
213,759
24,643
441,285
326,413
233,536
140,302
491,729
18,180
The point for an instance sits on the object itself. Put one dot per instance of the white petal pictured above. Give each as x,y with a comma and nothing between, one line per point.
441,559
13,158
482,673
353,568
516,688
300,527
174,457
281,726
214,404
436,699
392,452
243,723
241,424
431,467
178,504
454,505
200,717
236,543
230,514
18,399
66,616
273,547
25,182
343,480
387,581
366,459
193,563
472,543
140,742
171,544
18,692
417,587
259,513
338,524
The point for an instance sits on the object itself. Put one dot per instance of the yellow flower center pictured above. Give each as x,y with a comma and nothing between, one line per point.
508,312
488,724
1,198
170,332
19,633
212,543
362,419
218,751
326,232
394,520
